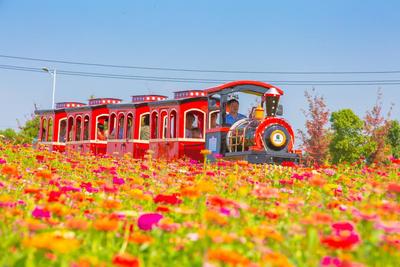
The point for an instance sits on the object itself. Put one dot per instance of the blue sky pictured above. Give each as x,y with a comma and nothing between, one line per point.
226,35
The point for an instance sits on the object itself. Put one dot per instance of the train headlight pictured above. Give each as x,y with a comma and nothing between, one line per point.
278,138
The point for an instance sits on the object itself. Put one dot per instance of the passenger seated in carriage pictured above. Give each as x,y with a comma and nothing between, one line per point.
190,130
213,120
234,114
145,128
101,133
196,133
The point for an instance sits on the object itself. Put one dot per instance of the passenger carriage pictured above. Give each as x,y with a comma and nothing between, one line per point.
53,126
130,126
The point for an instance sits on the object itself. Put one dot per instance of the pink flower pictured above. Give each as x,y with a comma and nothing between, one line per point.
365,216
388,227
329,172
148,220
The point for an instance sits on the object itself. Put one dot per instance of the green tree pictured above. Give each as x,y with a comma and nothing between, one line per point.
8,135
26,134
348,143
393,138
30,130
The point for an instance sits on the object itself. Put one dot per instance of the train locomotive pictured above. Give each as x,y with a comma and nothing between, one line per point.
194,120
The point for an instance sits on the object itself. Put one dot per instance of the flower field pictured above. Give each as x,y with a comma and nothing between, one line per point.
80,210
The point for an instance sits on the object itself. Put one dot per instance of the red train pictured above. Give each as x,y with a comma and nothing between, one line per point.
173,128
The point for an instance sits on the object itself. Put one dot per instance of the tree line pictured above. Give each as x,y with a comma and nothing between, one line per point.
343,137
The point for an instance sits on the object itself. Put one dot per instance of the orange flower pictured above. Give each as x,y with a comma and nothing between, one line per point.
205,187
35,225
275,259
106,224
139,238
227,257
317,180
111,204
9,170
44,174
242,163
77,224
216,218
32,190
263,232
56,208
190,192
217,236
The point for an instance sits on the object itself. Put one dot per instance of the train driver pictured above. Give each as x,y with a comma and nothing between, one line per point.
234,114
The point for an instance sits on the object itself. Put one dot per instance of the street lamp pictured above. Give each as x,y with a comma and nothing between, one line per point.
54,74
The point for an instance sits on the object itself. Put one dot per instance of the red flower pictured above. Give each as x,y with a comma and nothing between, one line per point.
393,187
344,236
54,196
162,209
125,260
167,199
343,226
288,164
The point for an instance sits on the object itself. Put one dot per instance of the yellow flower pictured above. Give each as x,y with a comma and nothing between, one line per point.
205,152
56,241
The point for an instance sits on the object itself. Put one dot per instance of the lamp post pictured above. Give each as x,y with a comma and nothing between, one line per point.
54,74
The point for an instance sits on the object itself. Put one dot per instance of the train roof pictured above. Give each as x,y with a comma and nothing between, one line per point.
246,86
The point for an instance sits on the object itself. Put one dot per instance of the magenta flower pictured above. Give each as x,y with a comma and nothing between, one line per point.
40,213
118,181
328,261
148,220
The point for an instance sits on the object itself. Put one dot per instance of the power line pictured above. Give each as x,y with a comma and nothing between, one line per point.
201,70
196,80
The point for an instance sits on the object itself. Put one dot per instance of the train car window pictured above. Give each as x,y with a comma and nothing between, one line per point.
78,128
102,128
44,130
213,119
129,127
144,131
173,124
194,124
121,124
154,125
70,129
112,127
50,130
86,128
62,130
164,126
